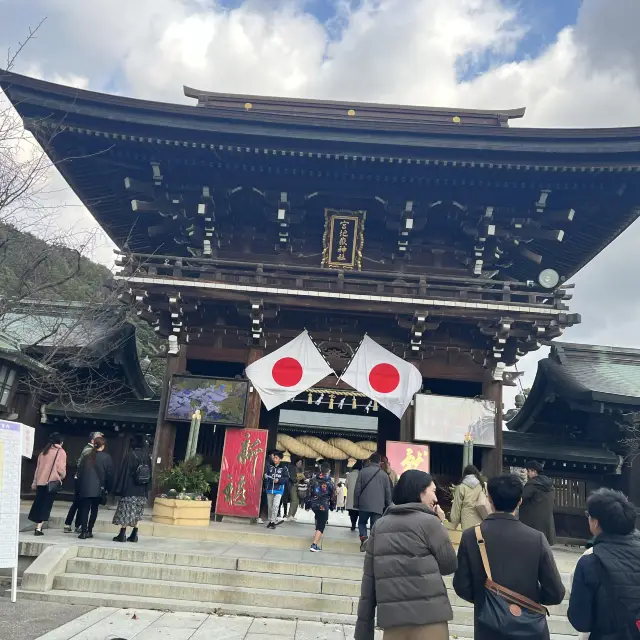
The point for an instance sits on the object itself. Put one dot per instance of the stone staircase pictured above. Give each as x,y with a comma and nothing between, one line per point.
322,587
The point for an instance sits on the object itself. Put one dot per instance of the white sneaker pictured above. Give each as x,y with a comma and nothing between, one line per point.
291,519
260,521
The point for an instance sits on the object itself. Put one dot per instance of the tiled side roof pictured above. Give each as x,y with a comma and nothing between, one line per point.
604,371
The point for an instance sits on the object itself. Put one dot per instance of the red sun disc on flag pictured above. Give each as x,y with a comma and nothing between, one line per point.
384,378
287,372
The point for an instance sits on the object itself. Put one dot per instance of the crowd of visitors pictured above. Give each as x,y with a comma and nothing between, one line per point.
504,565
93,483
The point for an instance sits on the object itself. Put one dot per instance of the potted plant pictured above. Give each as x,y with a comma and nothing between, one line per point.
183,501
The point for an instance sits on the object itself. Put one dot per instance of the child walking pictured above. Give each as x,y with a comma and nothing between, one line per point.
276,480
322,499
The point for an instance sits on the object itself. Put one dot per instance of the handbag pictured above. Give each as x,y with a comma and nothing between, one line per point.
507,613
53,486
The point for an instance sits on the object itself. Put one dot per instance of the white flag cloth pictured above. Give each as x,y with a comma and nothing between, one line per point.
383,377
288,371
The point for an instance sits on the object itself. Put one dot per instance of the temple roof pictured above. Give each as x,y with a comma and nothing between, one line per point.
35,328
354,155
583,375
528,446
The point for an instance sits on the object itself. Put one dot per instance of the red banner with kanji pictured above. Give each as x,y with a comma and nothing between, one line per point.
407,455
240,486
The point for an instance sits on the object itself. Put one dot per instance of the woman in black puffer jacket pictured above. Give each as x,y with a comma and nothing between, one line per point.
406,556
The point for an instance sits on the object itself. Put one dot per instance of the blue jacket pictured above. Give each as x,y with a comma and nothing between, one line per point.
276,479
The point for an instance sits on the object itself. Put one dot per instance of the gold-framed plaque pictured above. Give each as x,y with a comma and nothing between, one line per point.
343,239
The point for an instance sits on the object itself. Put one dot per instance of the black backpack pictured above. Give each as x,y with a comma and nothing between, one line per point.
142,475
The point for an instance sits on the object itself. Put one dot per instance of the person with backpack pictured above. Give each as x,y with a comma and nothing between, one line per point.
469,507
605,593
133,486
322,499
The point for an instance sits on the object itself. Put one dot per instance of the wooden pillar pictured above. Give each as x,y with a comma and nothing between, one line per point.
165,438
252,420
492,462
407,424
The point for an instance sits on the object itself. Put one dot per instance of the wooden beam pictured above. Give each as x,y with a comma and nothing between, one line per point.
492,459
252,420
165,438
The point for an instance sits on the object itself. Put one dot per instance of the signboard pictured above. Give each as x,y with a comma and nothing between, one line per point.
403,456
10,461
450,418
240,486
343,239
220,401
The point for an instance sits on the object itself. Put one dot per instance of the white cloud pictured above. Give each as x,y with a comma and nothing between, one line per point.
398,51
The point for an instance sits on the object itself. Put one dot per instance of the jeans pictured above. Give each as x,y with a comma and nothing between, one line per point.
88,513
273,500
365,517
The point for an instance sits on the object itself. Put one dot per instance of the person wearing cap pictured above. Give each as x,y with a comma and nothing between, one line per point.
276,479
538,499
51,470
74,509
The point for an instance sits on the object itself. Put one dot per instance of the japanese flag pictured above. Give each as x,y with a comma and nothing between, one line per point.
288,371
383,377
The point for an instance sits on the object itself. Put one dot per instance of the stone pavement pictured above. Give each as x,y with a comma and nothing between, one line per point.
27,620
108,624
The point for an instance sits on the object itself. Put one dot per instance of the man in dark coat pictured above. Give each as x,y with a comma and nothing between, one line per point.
520,558
371,497
605,595
95,480
74,509
537,502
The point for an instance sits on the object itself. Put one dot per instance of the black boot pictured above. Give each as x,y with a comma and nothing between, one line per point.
83,535
134,535
122,536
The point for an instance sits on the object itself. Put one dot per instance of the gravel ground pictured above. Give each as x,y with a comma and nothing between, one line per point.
28,620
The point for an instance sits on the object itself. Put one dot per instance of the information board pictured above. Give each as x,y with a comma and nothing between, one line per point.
10,461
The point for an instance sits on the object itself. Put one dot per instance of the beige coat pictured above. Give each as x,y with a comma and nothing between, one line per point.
465,498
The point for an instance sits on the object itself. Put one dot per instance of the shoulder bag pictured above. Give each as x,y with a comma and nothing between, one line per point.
368,481
507,613
482,504
53,486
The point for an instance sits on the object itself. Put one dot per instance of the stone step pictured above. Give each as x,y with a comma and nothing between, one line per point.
206,593
215,577
318,566
246,596
255,576
286,536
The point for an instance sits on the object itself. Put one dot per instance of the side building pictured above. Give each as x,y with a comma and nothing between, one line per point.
582,420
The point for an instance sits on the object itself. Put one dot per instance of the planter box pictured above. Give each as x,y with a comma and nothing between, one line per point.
184,513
